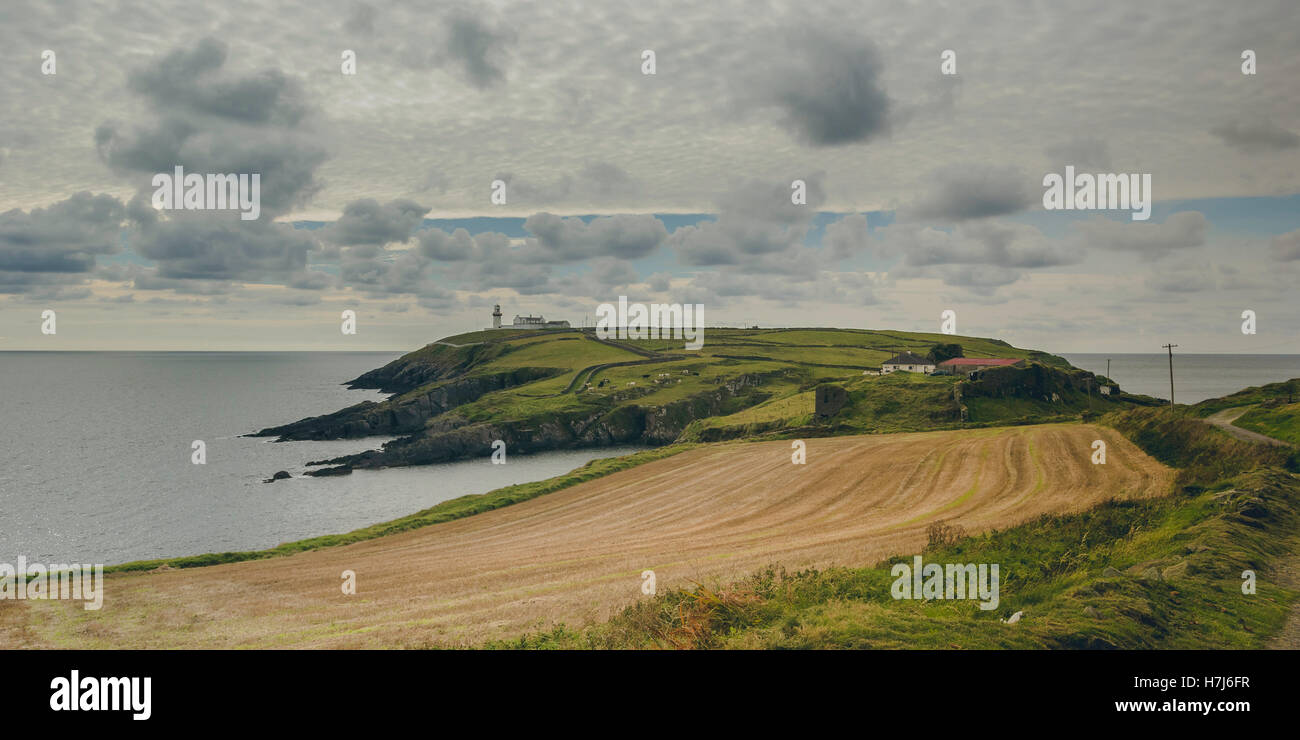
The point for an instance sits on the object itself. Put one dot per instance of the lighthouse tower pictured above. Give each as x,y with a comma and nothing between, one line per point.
496,316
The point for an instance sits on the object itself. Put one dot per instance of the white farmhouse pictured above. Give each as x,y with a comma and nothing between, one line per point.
907,362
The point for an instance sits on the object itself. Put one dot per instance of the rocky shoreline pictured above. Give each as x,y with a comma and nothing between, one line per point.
428,390
448,437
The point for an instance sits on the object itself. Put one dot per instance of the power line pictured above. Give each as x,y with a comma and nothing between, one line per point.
1170,347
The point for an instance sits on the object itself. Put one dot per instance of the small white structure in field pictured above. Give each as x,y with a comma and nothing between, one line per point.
1105,390
907,362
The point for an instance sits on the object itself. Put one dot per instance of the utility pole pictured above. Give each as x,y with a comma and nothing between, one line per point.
1170,347
1107,368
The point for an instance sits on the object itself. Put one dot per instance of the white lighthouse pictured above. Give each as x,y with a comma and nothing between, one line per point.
496,316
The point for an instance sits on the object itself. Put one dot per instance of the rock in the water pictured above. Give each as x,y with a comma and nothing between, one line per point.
281,475
336,470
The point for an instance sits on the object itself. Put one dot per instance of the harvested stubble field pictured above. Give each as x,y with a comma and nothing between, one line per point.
709,514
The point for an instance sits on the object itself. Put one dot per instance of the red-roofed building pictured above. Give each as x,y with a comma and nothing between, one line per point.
969,365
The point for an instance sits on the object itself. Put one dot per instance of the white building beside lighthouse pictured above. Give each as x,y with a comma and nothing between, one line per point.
525,322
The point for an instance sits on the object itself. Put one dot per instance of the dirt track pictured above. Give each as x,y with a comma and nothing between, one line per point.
1224,420
710,514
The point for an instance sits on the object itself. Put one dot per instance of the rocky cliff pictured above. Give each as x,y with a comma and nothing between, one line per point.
451,437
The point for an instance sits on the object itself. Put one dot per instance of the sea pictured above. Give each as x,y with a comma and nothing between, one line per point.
1196,377
96,455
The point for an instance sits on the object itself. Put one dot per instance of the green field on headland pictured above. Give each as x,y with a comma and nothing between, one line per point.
557,389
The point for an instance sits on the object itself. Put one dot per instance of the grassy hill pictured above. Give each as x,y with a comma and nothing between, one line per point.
1285,392
555,389
1272,409
1156,573
1279,422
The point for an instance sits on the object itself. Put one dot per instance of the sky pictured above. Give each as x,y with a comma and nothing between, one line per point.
921,172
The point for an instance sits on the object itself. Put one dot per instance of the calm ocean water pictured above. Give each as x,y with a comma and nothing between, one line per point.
1196,377
95,455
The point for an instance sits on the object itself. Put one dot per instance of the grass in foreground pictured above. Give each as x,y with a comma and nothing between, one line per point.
1164,573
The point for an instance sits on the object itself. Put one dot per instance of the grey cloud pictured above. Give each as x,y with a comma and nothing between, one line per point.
310,280
62,238
285,162
1182,230
979,279
534,193
1181,281
460,246
606,278
1286,247
208,121
1018,245
439,245
528,279
973,192
992,243
406,272
367,221
1257,137
478,262
612,273
147,278
756,221
477,48
608,179
660,281
1088,153
435,180
294,299
43,285
847,237
435,298
188,80
204,246
826,84
361,20
717,287
567,239
596,183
